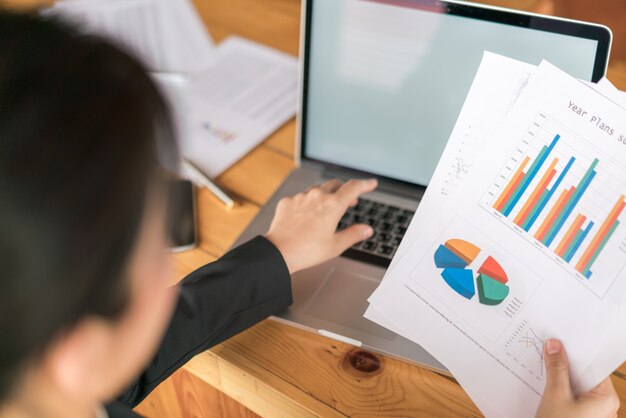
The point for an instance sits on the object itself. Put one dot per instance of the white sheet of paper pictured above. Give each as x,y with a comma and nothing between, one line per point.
613,350
247,93
167,35
498,83
475,337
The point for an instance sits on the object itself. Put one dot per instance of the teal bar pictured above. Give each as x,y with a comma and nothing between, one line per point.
530,175
544,200
506,210
539,205
606,239
567,209
575,245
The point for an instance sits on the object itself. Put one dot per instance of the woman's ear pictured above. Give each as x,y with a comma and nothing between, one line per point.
77,361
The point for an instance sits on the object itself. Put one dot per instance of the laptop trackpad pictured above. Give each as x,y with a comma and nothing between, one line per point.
342,299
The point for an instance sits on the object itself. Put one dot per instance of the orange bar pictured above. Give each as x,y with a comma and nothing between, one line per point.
534,197
606,226
554,213
569,236
510,188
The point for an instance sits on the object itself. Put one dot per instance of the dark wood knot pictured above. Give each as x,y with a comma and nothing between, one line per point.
362,363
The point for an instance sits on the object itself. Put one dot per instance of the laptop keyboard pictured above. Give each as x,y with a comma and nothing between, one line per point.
389,223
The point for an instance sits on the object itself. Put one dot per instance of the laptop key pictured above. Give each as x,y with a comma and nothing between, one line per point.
389,223
360,207
384,238
401,219
386,249
400,230
369,245
385,226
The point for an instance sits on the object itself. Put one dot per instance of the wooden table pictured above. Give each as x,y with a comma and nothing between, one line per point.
273,369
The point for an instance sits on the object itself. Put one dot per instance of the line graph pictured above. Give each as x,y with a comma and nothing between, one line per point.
525,347
530,340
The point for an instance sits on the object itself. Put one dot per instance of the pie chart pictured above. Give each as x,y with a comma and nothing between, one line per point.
489,281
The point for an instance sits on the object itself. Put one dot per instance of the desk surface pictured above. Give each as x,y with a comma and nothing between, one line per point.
273,369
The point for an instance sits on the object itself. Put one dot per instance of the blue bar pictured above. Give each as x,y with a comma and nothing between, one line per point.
541,205
600,248
530,175
579,193
570,254
588,275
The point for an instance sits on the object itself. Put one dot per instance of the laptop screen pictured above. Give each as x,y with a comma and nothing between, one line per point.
387,81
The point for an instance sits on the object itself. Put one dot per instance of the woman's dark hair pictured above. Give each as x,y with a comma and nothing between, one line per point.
80,126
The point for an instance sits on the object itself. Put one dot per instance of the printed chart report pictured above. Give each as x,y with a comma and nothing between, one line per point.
507,262
566,199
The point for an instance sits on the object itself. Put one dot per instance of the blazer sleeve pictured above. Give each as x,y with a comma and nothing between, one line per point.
217,301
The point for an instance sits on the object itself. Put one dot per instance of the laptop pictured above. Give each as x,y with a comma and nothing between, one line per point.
382,83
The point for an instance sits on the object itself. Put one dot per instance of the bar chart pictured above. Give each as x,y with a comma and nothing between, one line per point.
561,191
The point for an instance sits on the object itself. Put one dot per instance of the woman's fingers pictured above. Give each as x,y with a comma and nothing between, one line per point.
350,191
557,370
351,235
331,186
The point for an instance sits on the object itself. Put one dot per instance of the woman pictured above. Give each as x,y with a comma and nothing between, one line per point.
85,316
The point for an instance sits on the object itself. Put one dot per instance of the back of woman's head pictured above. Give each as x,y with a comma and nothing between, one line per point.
80,122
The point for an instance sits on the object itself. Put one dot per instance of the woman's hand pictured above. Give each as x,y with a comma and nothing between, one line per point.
558,398
304,226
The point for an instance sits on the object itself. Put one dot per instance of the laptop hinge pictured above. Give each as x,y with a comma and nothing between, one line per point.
384,185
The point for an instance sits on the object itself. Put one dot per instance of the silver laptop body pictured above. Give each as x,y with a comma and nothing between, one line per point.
330,299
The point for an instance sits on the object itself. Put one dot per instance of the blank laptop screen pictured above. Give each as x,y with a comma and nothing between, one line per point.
386,82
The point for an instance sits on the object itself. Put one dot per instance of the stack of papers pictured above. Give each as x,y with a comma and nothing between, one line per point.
521,226
167,35
226,99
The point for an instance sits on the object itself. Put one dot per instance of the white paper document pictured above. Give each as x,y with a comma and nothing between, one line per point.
167,34
535,233
496,87
247,92
225,99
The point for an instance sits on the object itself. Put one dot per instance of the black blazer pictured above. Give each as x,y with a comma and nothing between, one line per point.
217,301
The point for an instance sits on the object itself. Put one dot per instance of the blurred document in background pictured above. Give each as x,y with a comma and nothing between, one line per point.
225,99
247,93
167,34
